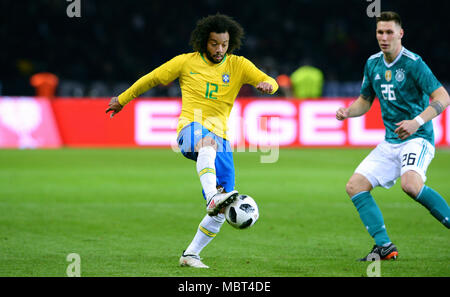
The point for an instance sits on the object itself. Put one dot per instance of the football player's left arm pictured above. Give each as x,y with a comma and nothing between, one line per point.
261,81
439,102
267,86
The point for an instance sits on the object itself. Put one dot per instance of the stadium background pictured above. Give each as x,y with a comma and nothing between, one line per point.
113,206
115,42
112,44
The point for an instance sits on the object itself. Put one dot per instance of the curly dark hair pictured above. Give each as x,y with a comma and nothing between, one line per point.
218,23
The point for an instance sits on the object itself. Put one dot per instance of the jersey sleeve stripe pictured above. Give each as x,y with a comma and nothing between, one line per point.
377,55
410,55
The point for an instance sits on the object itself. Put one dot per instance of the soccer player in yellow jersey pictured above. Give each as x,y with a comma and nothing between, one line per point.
210,79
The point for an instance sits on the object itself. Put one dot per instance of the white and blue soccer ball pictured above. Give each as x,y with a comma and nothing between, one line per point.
242,213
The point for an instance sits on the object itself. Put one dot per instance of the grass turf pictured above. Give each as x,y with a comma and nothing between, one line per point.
131,212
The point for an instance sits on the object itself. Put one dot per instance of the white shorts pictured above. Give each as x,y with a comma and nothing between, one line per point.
388,161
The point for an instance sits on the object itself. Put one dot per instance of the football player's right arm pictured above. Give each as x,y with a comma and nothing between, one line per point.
364,101
164,74
356,109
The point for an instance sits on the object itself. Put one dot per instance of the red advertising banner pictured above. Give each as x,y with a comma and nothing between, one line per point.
83,122
151,122
27,122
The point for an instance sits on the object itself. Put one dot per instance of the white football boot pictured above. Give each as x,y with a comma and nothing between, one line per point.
192,261
219,201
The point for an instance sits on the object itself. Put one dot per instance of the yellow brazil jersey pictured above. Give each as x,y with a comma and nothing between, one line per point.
208,89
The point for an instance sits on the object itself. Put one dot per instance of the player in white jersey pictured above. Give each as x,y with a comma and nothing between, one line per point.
403,84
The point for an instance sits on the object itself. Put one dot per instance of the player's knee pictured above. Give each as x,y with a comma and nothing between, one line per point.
357,184
411,183
410,188
351,188
206,141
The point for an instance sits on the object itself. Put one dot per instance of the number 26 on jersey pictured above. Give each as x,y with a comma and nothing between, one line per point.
388,92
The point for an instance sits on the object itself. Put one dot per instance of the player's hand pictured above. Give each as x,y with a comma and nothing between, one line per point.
406,128
342,114
114,106
264,87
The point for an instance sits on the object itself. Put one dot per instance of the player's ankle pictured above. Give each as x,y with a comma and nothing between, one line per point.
209,195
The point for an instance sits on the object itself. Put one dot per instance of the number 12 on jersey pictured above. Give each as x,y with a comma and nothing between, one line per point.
388,92
210,90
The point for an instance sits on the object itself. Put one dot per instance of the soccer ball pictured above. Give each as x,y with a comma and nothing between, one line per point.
242,213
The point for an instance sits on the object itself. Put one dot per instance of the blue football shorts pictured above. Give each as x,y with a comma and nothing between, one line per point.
191,134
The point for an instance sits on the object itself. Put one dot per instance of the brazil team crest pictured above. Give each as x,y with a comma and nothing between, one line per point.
226,78
388,75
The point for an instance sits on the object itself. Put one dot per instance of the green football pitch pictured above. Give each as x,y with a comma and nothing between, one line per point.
131,212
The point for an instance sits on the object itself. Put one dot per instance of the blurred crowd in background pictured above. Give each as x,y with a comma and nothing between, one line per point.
114,42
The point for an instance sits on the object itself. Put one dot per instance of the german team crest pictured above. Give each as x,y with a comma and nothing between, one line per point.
226,78
399,75
388,75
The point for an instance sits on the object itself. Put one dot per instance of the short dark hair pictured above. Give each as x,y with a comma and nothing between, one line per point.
218,23
387,16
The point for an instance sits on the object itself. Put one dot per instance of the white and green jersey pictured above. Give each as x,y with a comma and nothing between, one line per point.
403,88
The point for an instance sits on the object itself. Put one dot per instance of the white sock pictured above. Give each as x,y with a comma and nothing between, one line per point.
207,170
207,230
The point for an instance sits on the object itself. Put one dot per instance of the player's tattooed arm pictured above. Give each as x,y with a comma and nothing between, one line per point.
439,102
438,107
